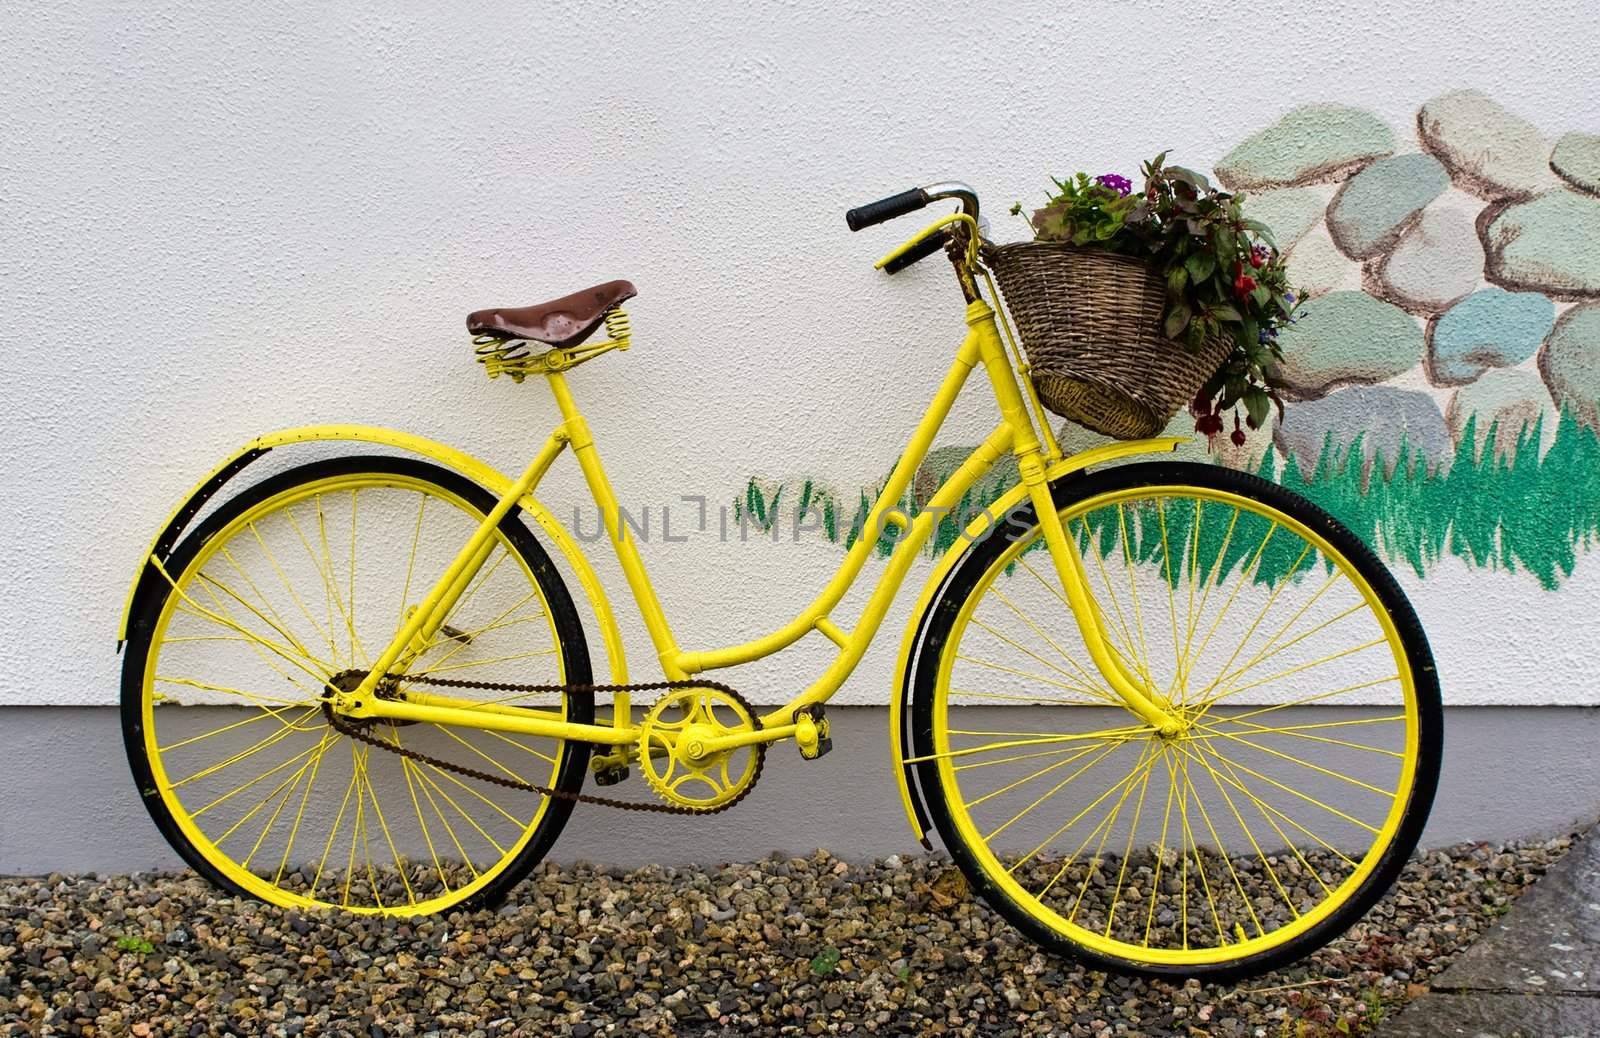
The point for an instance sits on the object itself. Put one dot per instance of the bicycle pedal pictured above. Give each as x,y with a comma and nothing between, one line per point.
812,732
610,776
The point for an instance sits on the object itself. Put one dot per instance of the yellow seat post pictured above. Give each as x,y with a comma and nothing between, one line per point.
594,473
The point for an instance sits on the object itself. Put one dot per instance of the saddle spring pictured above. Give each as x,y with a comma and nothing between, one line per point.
512,357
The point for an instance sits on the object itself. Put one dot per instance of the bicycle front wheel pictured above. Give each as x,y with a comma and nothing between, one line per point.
293,587
1311,726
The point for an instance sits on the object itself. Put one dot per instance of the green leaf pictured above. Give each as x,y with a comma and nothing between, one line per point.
1188,176
1256,405
1226,313
1200,266
1260,230
1177,277
1177,320
1261,296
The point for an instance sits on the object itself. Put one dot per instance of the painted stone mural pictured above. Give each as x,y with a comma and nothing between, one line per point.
1442,382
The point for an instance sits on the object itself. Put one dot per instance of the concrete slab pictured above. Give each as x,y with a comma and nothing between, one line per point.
1535,974
1549,943
1480,1015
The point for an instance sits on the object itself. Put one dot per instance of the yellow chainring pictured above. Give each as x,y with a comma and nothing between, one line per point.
673,750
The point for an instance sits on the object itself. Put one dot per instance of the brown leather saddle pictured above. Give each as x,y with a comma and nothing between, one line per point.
560,322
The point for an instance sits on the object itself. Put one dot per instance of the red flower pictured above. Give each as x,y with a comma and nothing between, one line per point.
1243,285
1208,424
1238,433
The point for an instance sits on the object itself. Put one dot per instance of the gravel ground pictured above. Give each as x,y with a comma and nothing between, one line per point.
797,946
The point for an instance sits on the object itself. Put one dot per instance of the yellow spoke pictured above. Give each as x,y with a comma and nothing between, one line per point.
257,698
1047,795
1104,827
1161,850
1122,620
1250,631
1172,589
1312,698
329,588
411,565
1127,781
487,757
1264,730
1079,754
326,632
274,712
422,821
1055,589
1213,574
256,646
1291,791
309,766
1265,810
277,622
399,862
338,820
1133,829
423,783
285,788
1228,859
1083,673
1028,652
356,651
1296,760
1358,607
358,828
222,621
1246,575
1199,862
1133,592
1043,740
299,815
1343,653
256,747
470,820
1031,676
1013,759
224,798
464,639
503,737
1262,855
1333,578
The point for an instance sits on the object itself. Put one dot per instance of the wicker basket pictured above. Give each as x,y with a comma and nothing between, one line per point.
1090,322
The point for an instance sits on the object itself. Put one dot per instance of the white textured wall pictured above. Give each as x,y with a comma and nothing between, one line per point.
221,219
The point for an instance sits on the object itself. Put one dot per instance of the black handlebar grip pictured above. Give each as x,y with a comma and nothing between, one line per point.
925,248
886,208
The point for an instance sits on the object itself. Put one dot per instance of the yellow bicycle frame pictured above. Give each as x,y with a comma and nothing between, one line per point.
1039,465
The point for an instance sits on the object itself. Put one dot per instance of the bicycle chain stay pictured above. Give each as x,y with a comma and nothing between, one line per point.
388,686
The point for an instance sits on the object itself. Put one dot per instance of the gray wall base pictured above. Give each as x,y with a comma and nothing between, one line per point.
67,802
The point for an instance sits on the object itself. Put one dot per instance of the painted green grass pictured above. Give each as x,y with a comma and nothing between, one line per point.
1531,512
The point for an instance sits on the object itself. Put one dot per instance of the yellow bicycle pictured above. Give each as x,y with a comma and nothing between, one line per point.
1166,717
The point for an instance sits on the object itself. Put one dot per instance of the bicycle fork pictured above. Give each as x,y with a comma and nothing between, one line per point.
1134,690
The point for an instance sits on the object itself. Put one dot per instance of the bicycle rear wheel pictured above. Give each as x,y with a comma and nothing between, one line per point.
1311,725
294,585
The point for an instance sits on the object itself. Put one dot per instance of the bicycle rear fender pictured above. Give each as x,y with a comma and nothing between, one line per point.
494,481
980,527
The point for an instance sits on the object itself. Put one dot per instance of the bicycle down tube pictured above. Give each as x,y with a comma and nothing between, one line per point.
1015,432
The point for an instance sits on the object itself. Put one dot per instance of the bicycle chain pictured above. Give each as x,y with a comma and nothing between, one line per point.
360,735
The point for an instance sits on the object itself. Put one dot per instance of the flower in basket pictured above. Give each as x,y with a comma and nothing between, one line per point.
1224,277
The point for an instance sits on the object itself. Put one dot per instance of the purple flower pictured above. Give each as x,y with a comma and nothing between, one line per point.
1120,184
1288,297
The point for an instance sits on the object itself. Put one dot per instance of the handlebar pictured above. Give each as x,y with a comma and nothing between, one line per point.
909,202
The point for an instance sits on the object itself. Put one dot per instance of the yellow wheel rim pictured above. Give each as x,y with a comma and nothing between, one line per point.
1271,809
303,585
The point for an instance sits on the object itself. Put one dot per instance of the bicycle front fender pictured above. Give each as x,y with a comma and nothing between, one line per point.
980,527
480,472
